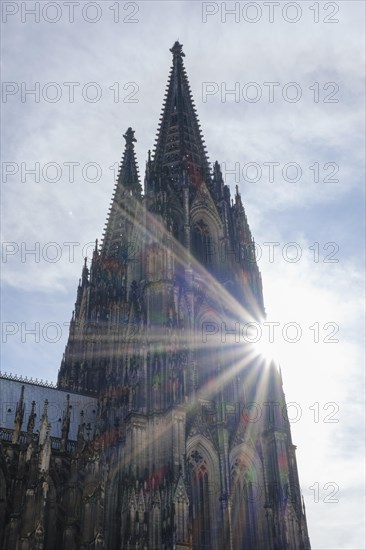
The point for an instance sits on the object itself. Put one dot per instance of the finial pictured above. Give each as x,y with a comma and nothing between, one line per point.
129,136
177,50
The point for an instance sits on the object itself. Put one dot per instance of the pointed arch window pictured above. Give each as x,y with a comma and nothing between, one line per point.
202,244
244,507
201,505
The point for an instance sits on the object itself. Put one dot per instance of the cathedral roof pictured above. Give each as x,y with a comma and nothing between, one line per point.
11,390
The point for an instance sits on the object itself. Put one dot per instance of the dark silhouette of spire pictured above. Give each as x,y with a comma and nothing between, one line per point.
127,192
180,144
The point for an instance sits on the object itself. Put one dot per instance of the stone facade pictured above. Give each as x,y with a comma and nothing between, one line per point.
169,430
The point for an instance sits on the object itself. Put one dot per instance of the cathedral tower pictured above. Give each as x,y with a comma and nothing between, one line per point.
190,446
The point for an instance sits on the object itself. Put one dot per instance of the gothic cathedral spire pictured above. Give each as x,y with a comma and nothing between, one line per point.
180,145
127,191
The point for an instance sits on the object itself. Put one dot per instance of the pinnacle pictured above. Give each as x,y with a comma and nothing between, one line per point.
130,136
177,50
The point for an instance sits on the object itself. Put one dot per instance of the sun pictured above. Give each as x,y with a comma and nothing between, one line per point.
268,343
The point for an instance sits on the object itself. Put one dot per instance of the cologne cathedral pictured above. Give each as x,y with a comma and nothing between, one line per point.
166,429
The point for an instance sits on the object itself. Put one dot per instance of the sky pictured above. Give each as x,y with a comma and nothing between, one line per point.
279,91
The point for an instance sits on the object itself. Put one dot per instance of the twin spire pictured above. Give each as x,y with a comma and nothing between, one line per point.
127,191
180,144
